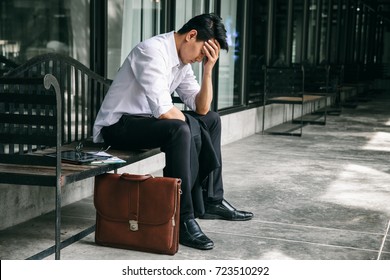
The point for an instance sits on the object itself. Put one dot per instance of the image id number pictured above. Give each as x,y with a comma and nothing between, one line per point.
235,270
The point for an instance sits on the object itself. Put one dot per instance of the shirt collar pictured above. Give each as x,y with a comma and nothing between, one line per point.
173,55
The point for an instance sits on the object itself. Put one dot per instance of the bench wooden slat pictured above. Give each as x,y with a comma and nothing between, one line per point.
27,160
34,139
296,100
286,100
68,104
78,96
33,99
27,179
84,104
310,98
18,81
27,119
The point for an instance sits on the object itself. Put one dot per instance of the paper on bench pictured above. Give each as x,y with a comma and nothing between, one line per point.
102,153
111,158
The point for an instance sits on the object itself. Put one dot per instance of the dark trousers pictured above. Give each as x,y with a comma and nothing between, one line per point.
174,139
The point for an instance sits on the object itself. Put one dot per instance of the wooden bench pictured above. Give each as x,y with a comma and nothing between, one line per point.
358,76
286,85
336,74
49,105
320,80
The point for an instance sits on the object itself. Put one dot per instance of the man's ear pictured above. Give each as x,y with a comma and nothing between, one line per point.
191,35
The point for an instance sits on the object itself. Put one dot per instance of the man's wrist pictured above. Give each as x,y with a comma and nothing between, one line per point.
207,74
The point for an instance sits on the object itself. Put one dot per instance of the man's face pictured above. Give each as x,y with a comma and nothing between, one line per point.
192,50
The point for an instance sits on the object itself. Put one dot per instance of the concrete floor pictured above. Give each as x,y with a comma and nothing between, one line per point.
324,196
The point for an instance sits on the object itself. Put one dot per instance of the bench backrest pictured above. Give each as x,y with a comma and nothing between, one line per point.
283,81
355,73
317,79
336,75
30,113
82,91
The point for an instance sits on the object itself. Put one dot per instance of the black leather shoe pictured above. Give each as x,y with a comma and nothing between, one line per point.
192,236
225,211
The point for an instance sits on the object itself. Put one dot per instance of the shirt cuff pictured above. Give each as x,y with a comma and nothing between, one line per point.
161,110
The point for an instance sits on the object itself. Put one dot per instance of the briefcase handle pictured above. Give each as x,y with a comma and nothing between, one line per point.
135,177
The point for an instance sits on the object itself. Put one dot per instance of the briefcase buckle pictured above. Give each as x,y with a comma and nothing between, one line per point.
133,225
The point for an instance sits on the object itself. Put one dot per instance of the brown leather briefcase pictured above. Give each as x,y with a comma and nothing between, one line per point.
137,212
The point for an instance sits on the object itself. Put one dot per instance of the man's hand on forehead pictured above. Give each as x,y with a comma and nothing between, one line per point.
217,43
211,49
214,43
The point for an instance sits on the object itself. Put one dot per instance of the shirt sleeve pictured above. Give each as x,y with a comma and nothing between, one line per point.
188,89
150,71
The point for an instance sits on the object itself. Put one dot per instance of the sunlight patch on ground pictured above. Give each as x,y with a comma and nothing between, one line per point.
379,142
361,186
275,255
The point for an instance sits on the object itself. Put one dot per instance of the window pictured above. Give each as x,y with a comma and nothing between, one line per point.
130,22
279,46
185,10
324,31
298,28
350,25
257,49
334,35
229,82
312,32
114,36
358,32
30,28
342,38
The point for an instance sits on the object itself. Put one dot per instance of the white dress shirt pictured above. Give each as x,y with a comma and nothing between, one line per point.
144,83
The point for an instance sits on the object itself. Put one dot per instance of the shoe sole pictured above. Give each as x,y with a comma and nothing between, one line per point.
218,217
199,248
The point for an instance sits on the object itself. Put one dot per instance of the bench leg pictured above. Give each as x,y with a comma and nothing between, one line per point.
58,221
51,250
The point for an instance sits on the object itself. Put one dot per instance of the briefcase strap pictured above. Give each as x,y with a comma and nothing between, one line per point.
134,207
134,177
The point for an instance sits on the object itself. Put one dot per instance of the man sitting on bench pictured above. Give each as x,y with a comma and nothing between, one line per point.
137,112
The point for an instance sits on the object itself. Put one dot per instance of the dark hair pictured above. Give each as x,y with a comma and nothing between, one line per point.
208,26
